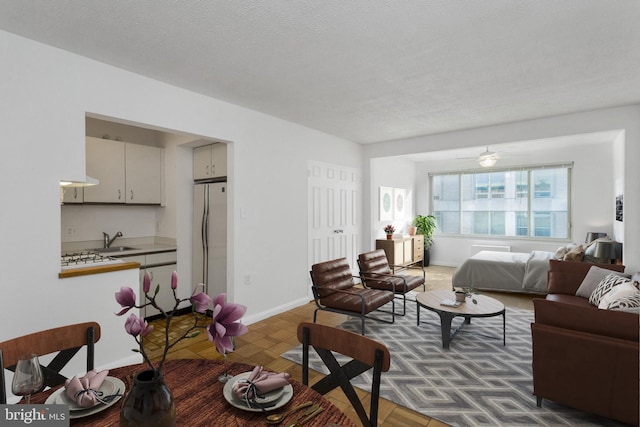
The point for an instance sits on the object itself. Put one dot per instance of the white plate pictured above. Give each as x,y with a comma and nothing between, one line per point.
109,386
266,398
278,397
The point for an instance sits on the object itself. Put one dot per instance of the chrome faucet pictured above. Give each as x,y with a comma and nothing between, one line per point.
108,241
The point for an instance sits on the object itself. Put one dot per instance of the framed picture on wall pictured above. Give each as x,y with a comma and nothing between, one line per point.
399,203
386,203
619,209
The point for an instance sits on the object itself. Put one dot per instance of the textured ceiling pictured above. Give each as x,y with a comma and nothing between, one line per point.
364,70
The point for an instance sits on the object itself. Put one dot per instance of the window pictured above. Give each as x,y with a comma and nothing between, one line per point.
500,203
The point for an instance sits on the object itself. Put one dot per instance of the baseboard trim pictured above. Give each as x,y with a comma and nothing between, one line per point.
248,320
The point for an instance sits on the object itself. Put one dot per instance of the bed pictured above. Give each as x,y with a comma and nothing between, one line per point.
505,271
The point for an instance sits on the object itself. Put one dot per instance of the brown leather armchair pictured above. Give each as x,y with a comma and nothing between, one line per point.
335,290
375,273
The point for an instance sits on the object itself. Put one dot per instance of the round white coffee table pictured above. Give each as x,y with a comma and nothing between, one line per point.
486,307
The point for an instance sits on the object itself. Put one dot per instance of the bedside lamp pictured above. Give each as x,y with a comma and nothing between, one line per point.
591,236
608,251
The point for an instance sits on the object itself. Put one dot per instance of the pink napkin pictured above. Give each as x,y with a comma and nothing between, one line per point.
81,390
260,380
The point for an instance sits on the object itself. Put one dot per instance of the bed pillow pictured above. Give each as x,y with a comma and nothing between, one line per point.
575,254
594,276
618,292
560,253
605,287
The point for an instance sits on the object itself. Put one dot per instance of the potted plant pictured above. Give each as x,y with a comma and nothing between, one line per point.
463,293
426,225
389,230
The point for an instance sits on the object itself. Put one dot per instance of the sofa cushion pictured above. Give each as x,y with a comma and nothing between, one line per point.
605,286
569,299
620,291
594,276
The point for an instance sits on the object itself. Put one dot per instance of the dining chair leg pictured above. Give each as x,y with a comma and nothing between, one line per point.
305,357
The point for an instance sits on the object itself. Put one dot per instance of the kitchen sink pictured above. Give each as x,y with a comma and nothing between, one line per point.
114,249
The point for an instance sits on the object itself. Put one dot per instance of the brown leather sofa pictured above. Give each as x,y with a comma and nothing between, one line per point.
585,357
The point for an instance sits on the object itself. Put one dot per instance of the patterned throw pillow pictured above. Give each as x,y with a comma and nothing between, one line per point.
623,290
631,301
594,276
605,286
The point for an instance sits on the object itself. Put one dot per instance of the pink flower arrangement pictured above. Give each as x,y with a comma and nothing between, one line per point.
389,229
225,323
225,320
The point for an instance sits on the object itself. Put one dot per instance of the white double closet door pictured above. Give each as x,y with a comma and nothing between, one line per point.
334,214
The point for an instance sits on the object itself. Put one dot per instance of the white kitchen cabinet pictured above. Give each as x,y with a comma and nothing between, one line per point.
160,266
210,161
128,173
106,162
160,275
73,195
143,174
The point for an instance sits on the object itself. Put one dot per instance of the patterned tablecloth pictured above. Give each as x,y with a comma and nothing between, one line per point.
199,397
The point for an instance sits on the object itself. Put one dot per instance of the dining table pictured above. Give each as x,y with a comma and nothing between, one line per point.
199,398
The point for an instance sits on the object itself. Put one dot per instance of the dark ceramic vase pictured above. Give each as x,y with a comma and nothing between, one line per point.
149,403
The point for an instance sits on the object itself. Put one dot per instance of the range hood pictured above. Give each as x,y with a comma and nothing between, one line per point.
89,181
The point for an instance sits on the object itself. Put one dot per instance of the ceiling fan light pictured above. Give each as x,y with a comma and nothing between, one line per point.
487,161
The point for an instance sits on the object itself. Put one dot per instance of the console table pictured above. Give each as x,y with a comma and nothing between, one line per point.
403,252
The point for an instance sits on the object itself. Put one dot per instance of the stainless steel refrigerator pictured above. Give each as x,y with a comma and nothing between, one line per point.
210,237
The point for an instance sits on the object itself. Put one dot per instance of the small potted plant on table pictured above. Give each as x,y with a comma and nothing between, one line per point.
463,293
389,230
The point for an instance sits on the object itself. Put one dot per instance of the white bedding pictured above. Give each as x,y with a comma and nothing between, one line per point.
507,271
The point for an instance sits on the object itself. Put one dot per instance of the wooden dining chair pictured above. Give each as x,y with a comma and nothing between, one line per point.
365,354
65,340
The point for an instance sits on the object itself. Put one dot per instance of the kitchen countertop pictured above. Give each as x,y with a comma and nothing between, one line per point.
141,250
140,246
74,272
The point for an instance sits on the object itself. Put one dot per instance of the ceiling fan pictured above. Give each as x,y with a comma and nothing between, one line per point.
488,158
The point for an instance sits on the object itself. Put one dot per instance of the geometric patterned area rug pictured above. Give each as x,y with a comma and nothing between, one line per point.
476,382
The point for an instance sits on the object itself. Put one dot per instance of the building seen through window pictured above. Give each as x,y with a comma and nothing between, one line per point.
531,202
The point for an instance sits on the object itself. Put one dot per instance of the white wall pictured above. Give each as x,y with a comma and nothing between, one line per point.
623,176
394,173
46,93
